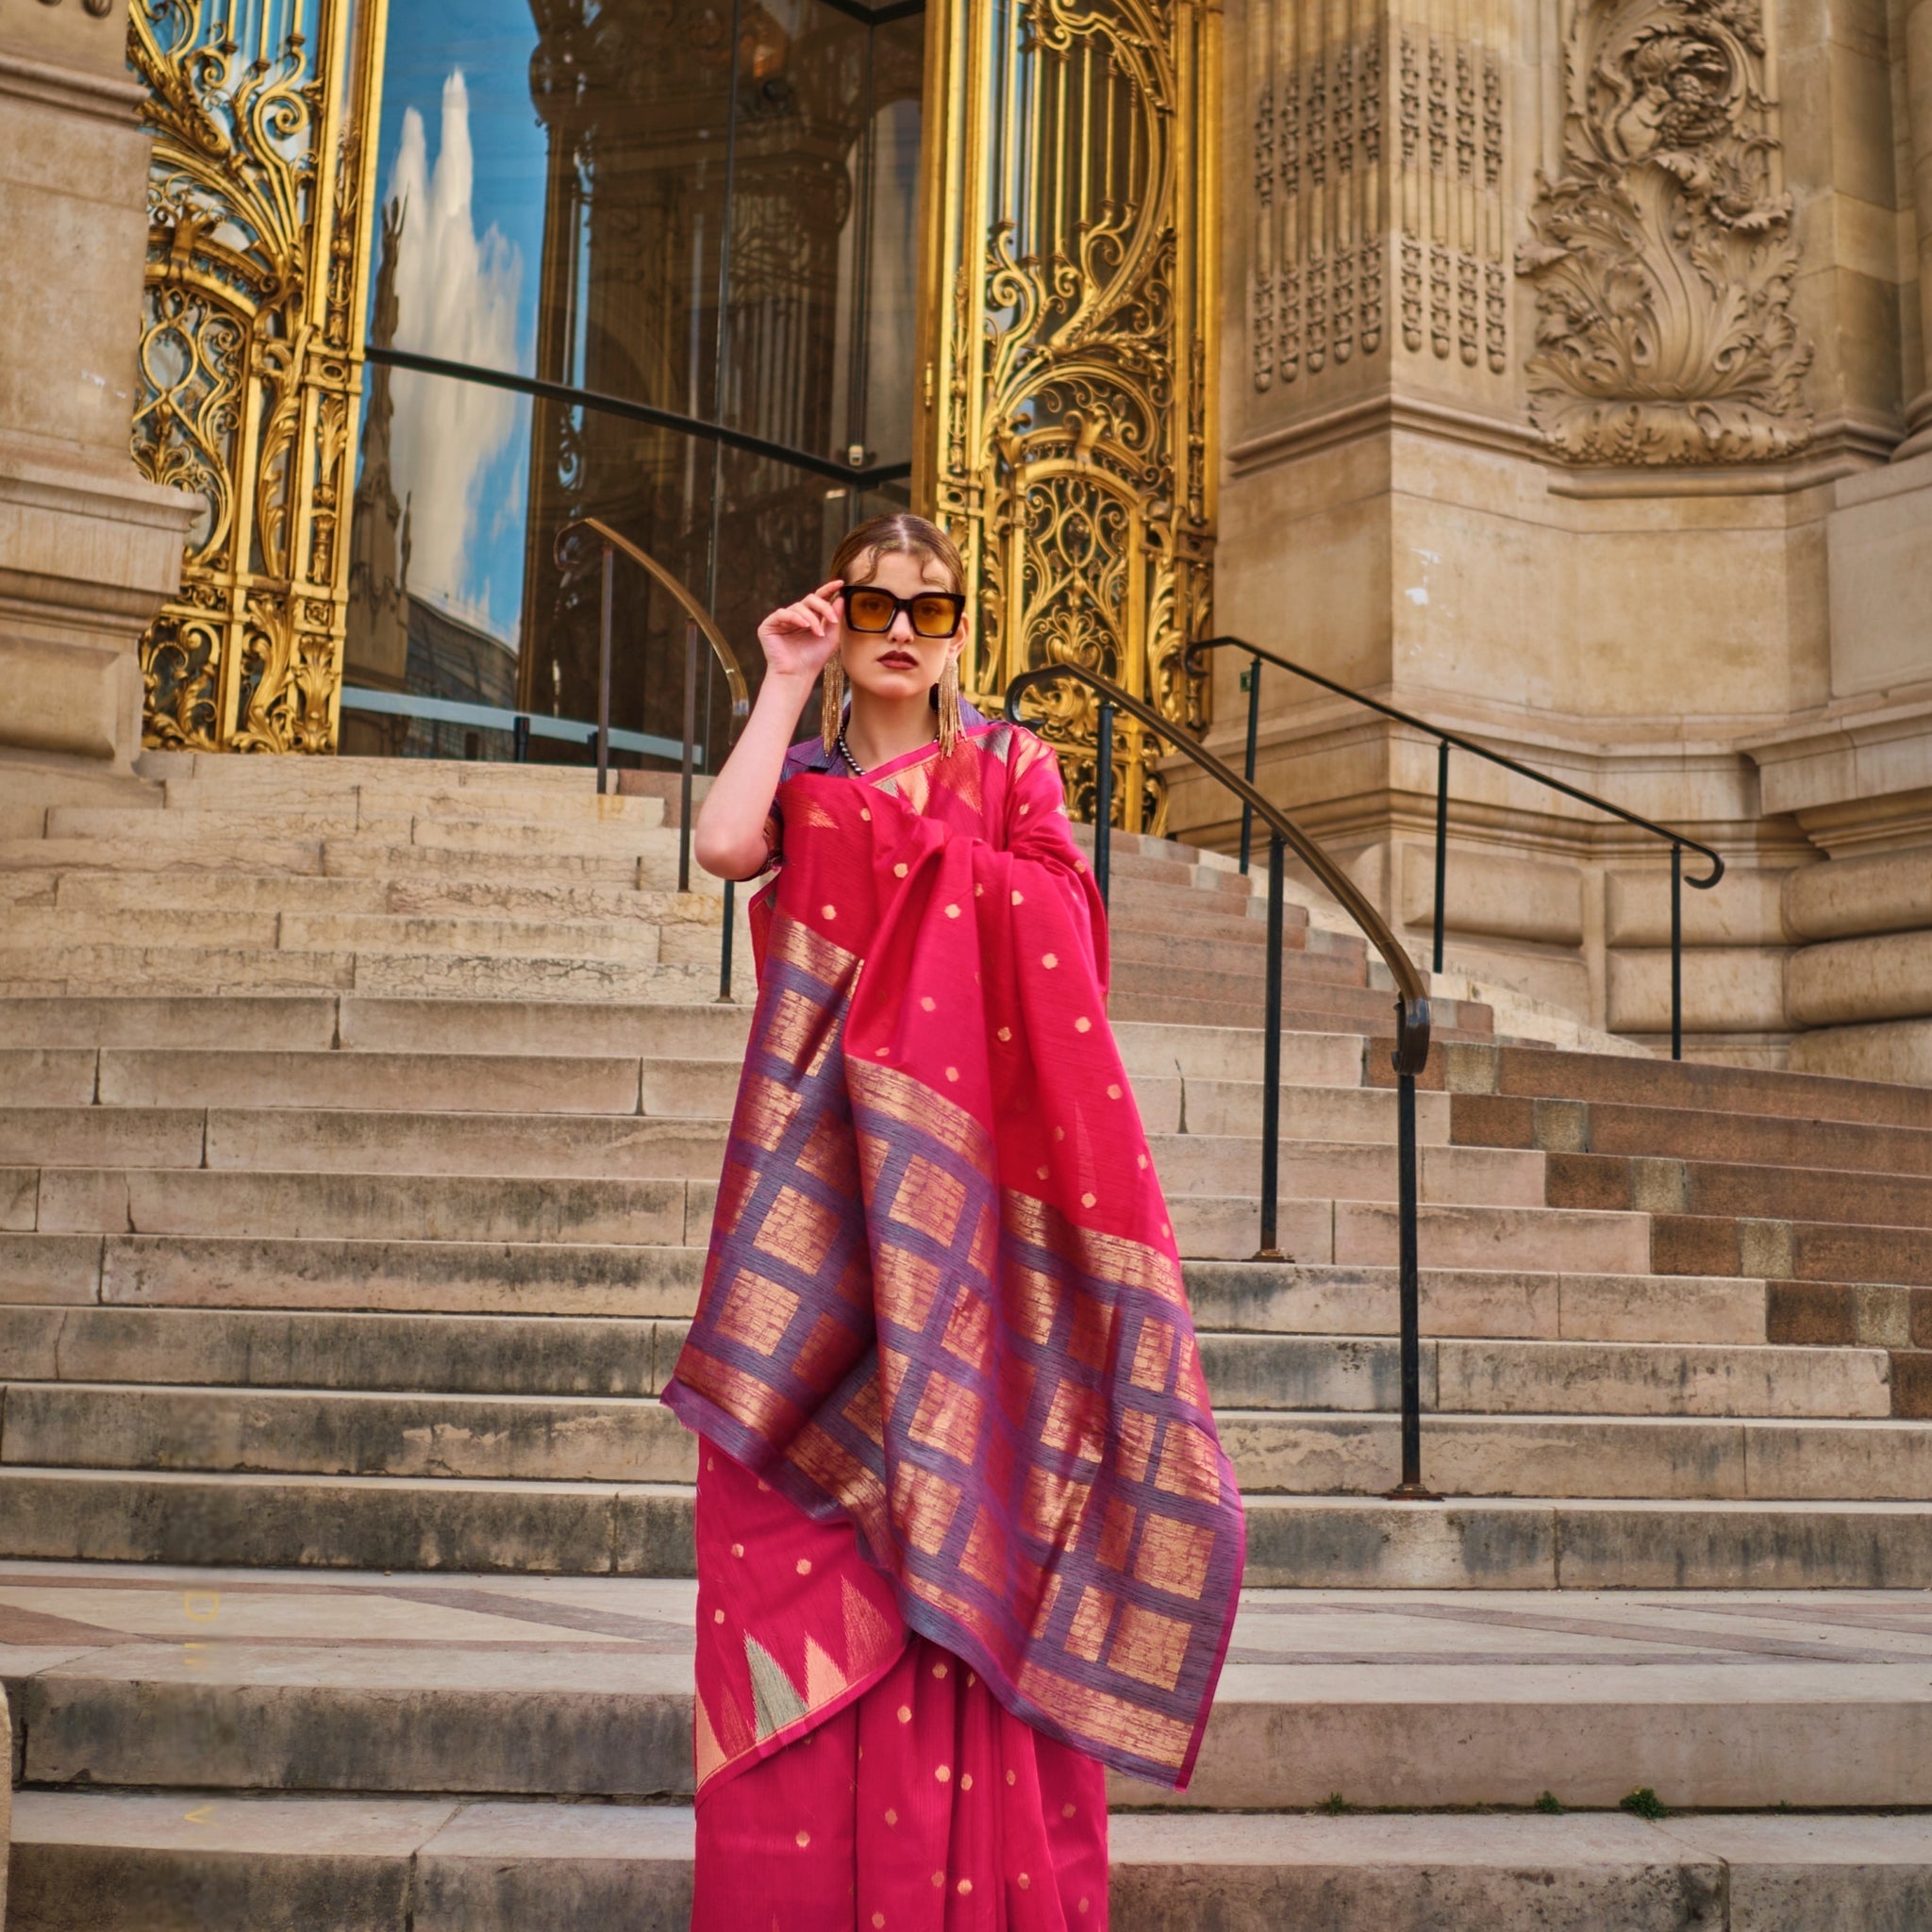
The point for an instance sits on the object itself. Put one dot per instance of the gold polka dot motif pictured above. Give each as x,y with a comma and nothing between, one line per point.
804,1839
943,1773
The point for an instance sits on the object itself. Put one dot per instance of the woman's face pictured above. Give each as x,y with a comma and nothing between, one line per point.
898,664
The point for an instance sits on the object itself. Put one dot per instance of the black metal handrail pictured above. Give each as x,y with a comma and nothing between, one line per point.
1677,841
1411,1003
860,477
698,622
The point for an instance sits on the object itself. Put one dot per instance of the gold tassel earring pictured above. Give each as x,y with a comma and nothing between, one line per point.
949,705
831,701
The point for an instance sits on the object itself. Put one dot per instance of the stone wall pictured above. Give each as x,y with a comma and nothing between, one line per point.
1568,349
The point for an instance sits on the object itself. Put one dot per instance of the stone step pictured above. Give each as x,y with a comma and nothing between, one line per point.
1209,958
113,1861
116,824
128,1425
268,1022
1309,1113
102,970
632,827
631,940
1559,1240
1542,1073
237,848
484,1687
401,863
1500,1377
534,1352
186,969
248,1271
1314,1299
118,891
365,1140
705,1028
1206,1163
399,1208
383,798
1300,1541
1735,1187
1311,1010
1151,1049
107,1425
316,1349
1678,1458
454,1082
1608,1128
1825,1251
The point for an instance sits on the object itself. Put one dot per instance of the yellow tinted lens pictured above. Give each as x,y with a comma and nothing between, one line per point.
932,617
869,609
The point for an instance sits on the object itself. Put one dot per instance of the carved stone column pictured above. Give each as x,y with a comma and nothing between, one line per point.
1919,92
87,548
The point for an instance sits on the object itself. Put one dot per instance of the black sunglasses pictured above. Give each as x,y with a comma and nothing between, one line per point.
933,613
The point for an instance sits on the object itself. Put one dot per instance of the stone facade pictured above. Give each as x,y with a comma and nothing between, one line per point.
1574,378
87,549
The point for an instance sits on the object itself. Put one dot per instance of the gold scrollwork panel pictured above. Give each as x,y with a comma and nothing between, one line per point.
1068,313
251,353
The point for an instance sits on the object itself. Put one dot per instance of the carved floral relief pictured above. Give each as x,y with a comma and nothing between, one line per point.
1662,256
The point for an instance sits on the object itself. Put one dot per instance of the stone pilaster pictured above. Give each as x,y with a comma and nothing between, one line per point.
1918,39
87,548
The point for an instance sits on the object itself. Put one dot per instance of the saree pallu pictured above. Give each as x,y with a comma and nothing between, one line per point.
943,1361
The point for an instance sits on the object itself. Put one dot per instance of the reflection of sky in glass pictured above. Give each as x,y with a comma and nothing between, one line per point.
468,283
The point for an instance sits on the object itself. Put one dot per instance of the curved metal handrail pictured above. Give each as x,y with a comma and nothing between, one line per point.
728,659
1413,997
1468,745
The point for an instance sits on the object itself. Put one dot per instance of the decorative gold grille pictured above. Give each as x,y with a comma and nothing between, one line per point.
264,115
1068,348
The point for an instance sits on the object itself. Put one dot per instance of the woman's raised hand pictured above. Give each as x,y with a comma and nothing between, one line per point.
798,640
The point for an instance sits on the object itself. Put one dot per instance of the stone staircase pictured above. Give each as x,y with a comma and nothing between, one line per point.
358,1129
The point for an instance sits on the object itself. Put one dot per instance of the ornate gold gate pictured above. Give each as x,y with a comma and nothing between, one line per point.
264,113
1069,342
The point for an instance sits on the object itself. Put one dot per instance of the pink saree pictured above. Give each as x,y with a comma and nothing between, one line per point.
965,1532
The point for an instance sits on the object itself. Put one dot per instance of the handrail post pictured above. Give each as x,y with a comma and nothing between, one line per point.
690,727
1409,1290
1103,801
725,949
1270,1249
604,669
1441,841
520,739
1248,760
1676,952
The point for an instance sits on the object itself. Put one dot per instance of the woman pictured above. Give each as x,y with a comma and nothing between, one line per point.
965,1534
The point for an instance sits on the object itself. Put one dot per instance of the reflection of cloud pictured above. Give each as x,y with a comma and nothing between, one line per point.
456,299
